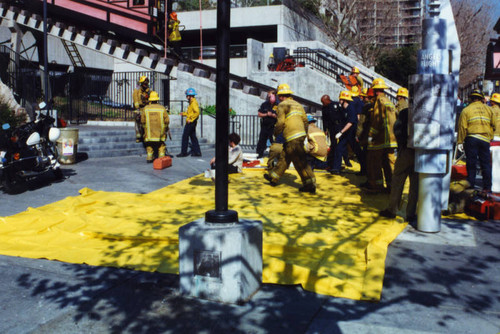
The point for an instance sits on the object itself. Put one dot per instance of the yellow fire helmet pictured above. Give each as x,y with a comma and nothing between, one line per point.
355,69
495,98
379,83
143,78
477,93
153,96
284,89
345,95
402,92
364,92
354,91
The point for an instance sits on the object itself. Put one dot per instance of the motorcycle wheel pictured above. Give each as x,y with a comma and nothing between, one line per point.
58,174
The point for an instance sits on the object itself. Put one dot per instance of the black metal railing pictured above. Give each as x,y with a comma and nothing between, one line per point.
331,65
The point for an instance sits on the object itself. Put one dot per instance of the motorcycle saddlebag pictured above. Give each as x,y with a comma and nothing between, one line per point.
162,163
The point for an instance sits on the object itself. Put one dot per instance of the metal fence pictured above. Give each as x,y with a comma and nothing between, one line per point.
248,127
101,95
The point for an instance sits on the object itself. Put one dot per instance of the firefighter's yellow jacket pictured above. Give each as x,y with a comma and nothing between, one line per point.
496,112
140,97
476,120
402,104
155,120
316,142
173,28
193,111
381,124
291,120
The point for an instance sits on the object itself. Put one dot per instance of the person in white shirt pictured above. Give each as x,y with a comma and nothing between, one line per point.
235,156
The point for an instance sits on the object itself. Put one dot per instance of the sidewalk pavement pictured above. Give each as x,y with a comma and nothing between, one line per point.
447,282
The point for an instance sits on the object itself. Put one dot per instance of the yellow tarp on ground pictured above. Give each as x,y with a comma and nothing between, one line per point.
332,243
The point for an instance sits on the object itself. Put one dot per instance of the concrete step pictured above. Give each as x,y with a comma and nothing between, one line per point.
107,141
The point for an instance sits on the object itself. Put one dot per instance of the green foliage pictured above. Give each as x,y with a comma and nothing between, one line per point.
397,64
7,115
311,5
191,5
210,111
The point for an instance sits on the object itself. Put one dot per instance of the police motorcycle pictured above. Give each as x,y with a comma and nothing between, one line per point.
28,151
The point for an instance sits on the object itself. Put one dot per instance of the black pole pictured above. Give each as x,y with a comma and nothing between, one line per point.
45,56
221,214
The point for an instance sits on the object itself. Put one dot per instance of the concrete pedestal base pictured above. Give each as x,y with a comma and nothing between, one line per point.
221,262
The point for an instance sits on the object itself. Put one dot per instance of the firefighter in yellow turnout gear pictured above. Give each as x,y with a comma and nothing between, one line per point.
141,99
495,106
402,97
476,127
155,120
292,122
381,140
174,34
316,147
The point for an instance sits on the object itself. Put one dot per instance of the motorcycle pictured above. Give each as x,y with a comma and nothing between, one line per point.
28,151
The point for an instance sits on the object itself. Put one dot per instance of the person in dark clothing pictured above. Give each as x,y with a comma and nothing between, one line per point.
267,115
346,119
364,127
403,168
333,118
357,108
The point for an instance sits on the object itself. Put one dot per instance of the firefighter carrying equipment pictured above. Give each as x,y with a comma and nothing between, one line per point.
284,89
402,92
345,95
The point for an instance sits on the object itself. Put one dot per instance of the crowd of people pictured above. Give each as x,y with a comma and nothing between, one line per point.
363,124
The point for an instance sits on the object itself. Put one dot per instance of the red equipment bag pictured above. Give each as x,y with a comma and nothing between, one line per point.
480,208
162,163
458,172
495,211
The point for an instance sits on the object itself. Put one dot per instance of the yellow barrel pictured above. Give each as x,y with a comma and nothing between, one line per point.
67,145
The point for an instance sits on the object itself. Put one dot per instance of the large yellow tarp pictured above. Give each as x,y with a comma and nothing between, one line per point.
331,243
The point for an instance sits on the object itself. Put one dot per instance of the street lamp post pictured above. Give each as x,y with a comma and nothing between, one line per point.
45,56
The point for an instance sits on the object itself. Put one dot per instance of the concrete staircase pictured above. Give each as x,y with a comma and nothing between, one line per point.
118,141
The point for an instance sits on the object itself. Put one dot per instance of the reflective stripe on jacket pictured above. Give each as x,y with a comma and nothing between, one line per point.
476,120
291,120
496,112
381,124
155,119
